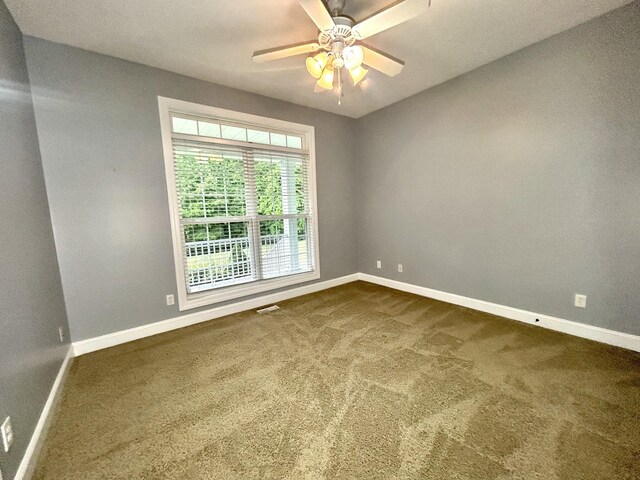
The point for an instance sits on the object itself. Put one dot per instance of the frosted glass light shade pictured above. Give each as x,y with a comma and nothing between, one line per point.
317,63
353,56
358,74
326,80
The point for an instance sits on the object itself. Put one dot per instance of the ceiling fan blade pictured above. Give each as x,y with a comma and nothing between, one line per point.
382,62
284,52
395,14
318,13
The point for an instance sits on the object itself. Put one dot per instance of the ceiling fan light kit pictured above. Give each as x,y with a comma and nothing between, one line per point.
339,45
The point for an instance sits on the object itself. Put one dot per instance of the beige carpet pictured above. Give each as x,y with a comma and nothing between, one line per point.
356,382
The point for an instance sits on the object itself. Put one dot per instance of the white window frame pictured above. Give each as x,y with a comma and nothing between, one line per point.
187,300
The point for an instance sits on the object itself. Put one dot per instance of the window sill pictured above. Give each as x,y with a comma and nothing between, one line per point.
195,300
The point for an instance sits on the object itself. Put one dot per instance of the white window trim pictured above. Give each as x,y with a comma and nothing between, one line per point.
186,300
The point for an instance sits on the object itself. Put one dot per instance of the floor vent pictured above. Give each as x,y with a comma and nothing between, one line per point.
272,308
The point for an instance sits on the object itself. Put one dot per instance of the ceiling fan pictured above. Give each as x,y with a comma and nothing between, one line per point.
339,43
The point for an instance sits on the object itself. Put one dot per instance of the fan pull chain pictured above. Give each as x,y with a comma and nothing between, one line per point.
339,86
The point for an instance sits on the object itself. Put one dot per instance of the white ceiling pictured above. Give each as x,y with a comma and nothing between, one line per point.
213,39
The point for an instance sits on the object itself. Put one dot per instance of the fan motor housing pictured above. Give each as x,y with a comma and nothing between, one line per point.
341,32
344,21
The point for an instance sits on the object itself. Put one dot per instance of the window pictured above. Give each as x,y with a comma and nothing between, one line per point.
242,202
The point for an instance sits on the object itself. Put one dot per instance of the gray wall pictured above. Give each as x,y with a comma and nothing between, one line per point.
31,301
518,183
99,129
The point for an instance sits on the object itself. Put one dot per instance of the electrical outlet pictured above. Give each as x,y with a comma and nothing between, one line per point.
61,334
580,300
379,264
400,267
7,434
171,299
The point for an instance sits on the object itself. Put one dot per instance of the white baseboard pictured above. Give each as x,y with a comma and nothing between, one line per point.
27,466
610,337
112,339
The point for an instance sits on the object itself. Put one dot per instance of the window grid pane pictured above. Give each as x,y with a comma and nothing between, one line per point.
234,133
258,136
294,141
207,129
278,139
184,125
